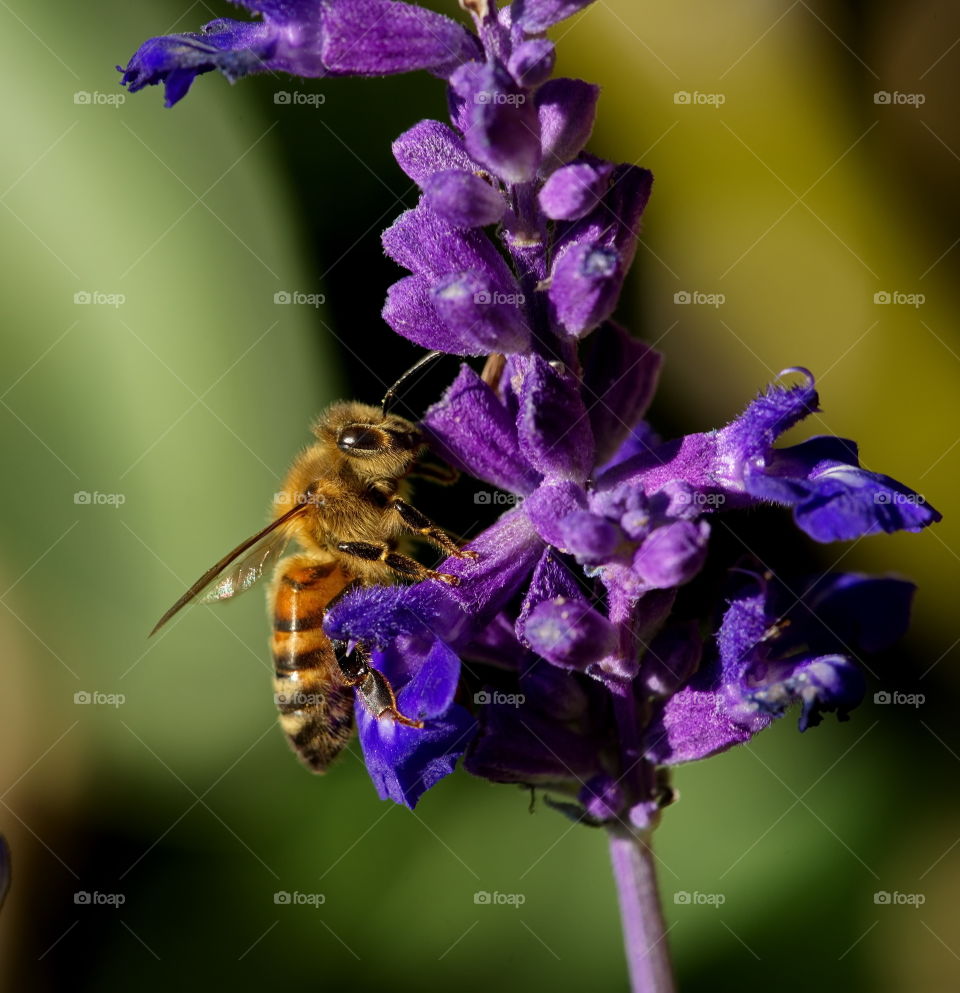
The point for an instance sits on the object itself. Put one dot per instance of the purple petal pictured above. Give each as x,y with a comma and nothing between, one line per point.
409,310
404,762
851,610
569,633
430,147
472,430
619,380
671,659
591,538
752,434
499,121
567,109
464,199
532,62
507,553
594,255
585,287
693,724
491,321
834,499
515,746
381,37
552,578
552,423
673,554
538,15
282,11
430,246
236,48
574,190
756,677
551,503
378,615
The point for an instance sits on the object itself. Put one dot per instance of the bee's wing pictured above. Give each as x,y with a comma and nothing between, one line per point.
241,568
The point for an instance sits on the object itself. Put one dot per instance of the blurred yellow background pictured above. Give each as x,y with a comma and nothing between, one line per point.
155,388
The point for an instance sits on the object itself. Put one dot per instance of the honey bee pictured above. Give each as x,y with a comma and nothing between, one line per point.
344,502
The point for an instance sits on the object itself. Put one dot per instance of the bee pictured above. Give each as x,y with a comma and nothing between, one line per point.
344,502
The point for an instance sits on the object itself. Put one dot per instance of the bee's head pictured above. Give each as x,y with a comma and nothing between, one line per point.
376,445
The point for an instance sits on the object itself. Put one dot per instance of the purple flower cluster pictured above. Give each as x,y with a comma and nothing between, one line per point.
587,669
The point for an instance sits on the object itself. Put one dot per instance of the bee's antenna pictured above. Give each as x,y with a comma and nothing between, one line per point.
390,397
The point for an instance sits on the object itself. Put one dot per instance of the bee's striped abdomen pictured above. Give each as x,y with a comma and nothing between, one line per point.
316,708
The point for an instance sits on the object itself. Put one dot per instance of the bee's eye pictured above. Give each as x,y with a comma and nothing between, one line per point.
354,438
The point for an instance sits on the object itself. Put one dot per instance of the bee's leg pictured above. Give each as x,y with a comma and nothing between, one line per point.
400,563
374,686
422,525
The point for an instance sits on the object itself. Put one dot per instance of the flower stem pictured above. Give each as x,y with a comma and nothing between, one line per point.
643,928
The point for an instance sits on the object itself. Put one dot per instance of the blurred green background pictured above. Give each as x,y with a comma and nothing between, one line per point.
177,395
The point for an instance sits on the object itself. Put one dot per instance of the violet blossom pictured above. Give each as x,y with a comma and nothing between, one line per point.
568,657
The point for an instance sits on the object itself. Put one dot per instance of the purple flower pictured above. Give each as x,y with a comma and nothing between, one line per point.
305,38
583,650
